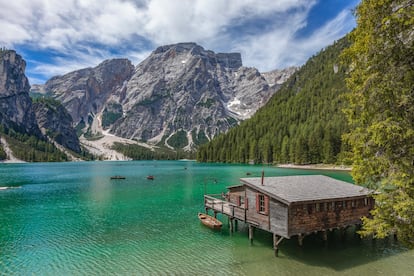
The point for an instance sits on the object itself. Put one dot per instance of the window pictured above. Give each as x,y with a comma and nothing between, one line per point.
262,204
353,203
240,200
310,209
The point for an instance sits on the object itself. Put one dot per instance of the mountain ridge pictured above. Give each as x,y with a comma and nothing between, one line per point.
180,96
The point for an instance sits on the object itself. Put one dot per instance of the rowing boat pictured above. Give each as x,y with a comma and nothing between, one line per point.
209,221
118,177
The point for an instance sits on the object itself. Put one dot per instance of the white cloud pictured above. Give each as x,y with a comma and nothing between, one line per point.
281,48
80,29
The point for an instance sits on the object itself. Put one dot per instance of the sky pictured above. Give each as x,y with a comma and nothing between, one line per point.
57,37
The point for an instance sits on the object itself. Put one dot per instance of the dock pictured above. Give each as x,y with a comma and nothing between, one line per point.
292,205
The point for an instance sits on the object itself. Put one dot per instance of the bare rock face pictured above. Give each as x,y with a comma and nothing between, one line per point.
276,78
184,88
181,95
55,122
15,104
85,92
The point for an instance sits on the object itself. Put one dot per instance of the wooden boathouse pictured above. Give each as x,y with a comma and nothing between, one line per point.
290,206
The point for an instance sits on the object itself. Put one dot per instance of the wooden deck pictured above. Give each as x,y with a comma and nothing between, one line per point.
218,205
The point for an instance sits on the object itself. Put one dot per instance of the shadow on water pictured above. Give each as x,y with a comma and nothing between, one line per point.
342,251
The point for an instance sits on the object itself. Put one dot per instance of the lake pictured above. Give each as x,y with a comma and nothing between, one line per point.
71,219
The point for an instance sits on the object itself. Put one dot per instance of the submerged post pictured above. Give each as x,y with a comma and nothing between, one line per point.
300,239
251,234
324,235
276,241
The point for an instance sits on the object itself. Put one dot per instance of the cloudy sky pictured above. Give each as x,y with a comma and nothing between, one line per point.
56,37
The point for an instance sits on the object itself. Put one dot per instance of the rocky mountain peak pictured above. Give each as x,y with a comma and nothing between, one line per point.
180,96
278,77
183,88
84,92
15,104
227,60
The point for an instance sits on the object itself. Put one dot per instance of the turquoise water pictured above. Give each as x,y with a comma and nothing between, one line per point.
71,219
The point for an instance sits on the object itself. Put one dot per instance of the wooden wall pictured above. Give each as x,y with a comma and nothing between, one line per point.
299,218
279,218
261,220
307,218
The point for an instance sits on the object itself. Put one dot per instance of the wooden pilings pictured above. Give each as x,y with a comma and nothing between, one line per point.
300,239
276,241
251,233
325,235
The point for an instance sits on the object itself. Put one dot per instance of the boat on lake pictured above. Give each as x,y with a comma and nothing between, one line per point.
210,221
150,177
118,177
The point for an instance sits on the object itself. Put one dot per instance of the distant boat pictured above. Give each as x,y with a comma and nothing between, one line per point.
210,221
150,177
248,173
118,177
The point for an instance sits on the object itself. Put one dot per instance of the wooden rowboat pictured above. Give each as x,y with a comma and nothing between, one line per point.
118,177
209,221
150,177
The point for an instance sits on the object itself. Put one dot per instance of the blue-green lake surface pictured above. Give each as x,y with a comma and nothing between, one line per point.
71,219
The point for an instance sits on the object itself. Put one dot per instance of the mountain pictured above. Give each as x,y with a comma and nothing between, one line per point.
21,138
84,92
55,122
179,97
16,110
185,95
302,123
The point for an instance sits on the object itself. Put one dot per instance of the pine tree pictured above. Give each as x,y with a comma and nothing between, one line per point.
381,113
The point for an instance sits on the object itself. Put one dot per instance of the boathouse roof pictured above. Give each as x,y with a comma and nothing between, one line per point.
305,188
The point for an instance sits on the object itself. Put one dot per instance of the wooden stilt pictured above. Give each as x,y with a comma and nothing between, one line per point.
300,239
342,233
324,235
251,234
235,225
276,241
231,224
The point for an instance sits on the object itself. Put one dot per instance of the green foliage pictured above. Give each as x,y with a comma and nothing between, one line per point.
79,128
302,123
111,113
50,102
199,138
32,149
381,113
137,152
178,140
3,154
207,103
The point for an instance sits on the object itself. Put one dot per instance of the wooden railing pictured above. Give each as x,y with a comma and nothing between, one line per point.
214,202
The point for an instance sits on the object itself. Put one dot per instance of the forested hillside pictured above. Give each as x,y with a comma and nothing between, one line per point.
302,123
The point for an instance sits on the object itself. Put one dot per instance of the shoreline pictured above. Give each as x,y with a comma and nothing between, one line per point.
316,167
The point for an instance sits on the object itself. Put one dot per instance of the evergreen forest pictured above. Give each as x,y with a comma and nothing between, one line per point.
302,123
30,148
